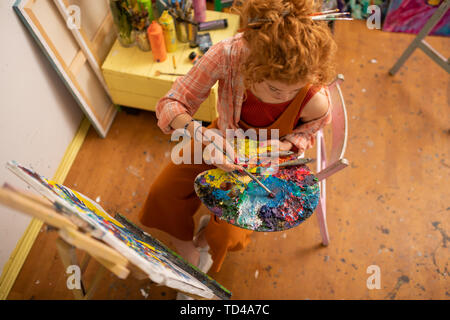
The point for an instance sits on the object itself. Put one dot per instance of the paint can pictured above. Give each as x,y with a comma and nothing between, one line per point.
193,56
192,35
157,43
168,27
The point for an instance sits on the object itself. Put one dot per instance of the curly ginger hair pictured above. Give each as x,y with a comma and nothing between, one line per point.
285,44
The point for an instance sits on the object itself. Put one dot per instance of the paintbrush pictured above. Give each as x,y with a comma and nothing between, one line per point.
278,154
296,162
271,194
268,155
324,12
158,73
332,16
337,14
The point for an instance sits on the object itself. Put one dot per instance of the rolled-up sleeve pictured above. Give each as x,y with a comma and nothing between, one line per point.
189,91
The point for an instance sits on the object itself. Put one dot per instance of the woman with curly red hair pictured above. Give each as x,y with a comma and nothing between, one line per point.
272,75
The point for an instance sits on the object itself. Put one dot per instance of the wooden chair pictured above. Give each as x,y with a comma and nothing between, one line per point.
419,42
336,161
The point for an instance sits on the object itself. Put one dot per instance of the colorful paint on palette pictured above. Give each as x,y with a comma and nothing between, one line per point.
161,264
240,201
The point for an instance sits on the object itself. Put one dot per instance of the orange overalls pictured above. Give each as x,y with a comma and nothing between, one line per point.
172,201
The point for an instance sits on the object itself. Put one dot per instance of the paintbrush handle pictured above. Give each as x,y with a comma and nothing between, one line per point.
296,162
324,12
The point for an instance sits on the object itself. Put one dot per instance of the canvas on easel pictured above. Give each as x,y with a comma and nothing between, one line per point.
159,263
76,49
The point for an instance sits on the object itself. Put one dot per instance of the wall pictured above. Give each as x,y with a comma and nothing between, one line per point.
38,116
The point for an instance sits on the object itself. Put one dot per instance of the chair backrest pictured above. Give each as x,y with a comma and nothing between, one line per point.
339,120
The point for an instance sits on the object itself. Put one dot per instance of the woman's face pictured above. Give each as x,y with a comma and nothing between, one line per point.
271,91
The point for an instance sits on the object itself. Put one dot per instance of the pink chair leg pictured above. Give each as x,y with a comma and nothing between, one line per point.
323,152
322,219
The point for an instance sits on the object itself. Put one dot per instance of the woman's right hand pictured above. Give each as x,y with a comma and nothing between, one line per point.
215,144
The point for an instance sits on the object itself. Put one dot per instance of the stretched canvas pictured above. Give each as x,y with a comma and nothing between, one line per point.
162,265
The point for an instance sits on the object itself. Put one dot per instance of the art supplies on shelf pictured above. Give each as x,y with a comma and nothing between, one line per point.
204,42
181,27
157,42
158,73
174,62
199,10
242,199
183,17
193,56
331,15
122,22
168,26
132,18
192,35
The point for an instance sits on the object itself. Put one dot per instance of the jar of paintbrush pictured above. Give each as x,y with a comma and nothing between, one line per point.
181,27
192,29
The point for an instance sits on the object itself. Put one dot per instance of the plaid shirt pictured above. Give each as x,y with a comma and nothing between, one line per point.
221,63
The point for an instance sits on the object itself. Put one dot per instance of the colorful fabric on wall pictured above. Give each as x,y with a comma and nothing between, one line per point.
410,16
359,8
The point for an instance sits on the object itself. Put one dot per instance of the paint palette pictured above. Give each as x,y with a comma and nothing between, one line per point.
237,199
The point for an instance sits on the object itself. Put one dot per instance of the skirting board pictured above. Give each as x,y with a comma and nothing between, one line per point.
24,245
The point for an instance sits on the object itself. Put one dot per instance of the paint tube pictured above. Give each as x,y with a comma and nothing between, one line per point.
200,10
170,35
156,38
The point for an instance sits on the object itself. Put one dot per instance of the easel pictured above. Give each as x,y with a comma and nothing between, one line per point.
70,238
419,42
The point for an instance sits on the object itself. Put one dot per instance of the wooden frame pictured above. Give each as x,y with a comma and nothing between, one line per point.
76,55
327,166
69,239
25,243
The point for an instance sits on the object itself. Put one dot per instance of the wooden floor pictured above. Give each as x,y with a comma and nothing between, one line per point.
389,208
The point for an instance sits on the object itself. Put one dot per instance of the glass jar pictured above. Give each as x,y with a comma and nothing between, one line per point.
142,40
122,22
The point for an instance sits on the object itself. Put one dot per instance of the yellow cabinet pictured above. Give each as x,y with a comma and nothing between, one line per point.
130,73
